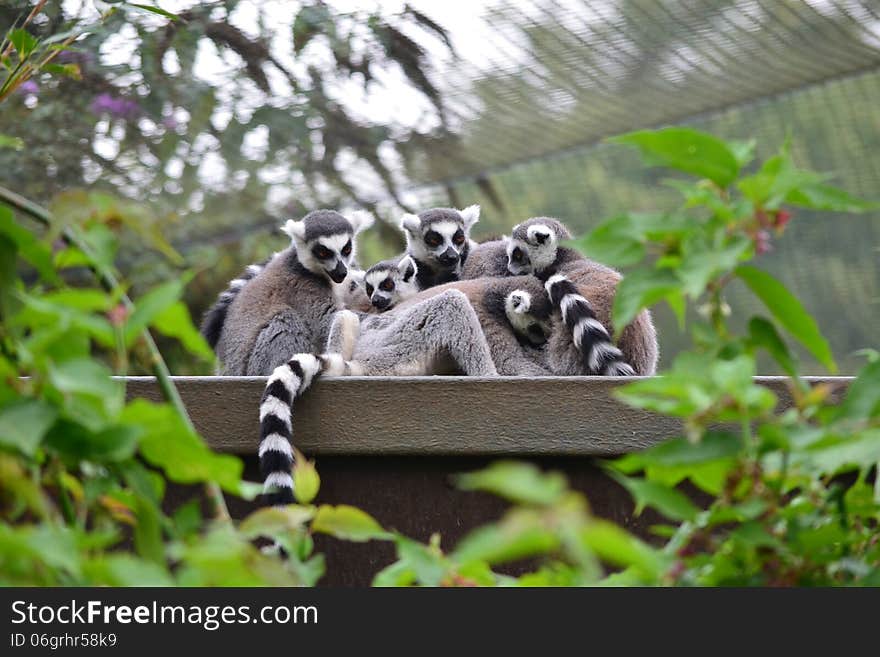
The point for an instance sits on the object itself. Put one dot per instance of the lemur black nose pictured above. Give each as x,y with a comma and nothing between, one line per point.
380,302
338,273
449,257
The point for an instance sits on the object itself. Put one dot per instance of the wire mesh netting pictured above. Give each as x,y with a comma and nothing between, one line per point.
244,113
530,131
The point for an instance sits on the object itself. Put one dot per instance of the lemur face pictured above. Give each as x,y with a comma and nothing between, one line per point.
387,283
325,241
526,325
439,237
532,249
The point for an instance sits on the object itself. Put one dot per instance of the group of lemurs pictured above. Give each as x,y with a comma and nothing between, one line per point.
523,305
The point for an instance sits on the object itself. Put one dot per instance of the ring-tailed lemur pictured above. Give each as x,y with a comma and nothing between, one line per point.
597,351
288,307
477,327
423,339
215,316
439,242
390,282
533,248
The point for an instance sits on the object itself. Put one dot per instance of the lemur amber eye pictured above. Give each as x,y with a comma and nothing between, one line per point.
458,238
346,250
369,290
516,255
387,285
321,252
433,238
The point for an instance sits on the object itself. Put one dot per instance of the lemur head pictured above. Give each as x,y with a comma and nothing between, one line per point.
530,324
325,241
533,244
389,282
439,237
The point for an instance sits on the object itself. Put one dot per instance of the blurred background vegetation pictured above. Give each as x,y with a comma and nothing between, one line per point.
212,128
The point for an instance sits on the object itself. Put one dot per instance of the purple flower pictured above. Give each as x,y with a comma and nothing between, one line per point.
169,122
28,87
120,108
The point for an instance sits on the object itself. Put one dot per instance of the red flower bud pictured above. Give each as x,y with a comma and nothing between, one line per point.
117,315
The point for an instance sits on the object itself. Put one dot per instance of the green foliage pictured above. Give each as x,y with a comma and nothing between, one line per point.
790,502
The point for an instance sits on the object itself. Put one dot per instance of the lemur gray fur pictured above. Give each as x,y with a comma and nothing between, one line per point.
439,242
390,282
288,307
533,248
215,316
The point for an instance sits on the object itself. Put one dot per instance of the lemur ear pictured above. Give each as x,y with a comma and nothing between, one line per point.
357,276
407,268
539,235
411,223
360,220
295,229
471,215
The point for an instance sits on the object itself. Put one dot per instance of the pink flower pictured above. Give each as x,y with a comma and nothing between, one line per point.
119,108
28,87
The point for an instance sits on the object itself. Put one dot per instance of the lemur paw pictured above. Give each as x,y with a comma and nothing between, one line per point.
519,301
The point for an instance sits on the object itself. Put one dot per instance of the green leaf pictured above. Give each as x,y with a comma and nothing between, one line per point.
306,481
612,242
518,535
426,562
15,143
862,400
616,546
66,70
77,443
276,521
155,10
743,151
687,150
400,573
148,531
515,481
763,334
23,42
84,376
640,289
348,523
701,265
777,179
29,247
175,322
151,305
670,502
861,450
24,423
824,197
125,570
101,243
789,312
680,452
170,445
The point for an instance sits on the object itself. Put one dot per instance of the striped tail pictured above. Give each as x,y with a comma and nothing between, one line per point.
215,316
276,429
598,353
286,383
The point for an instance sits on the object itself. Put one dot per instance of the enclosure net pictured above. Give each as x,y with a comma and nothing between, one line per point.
514,117
559,77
